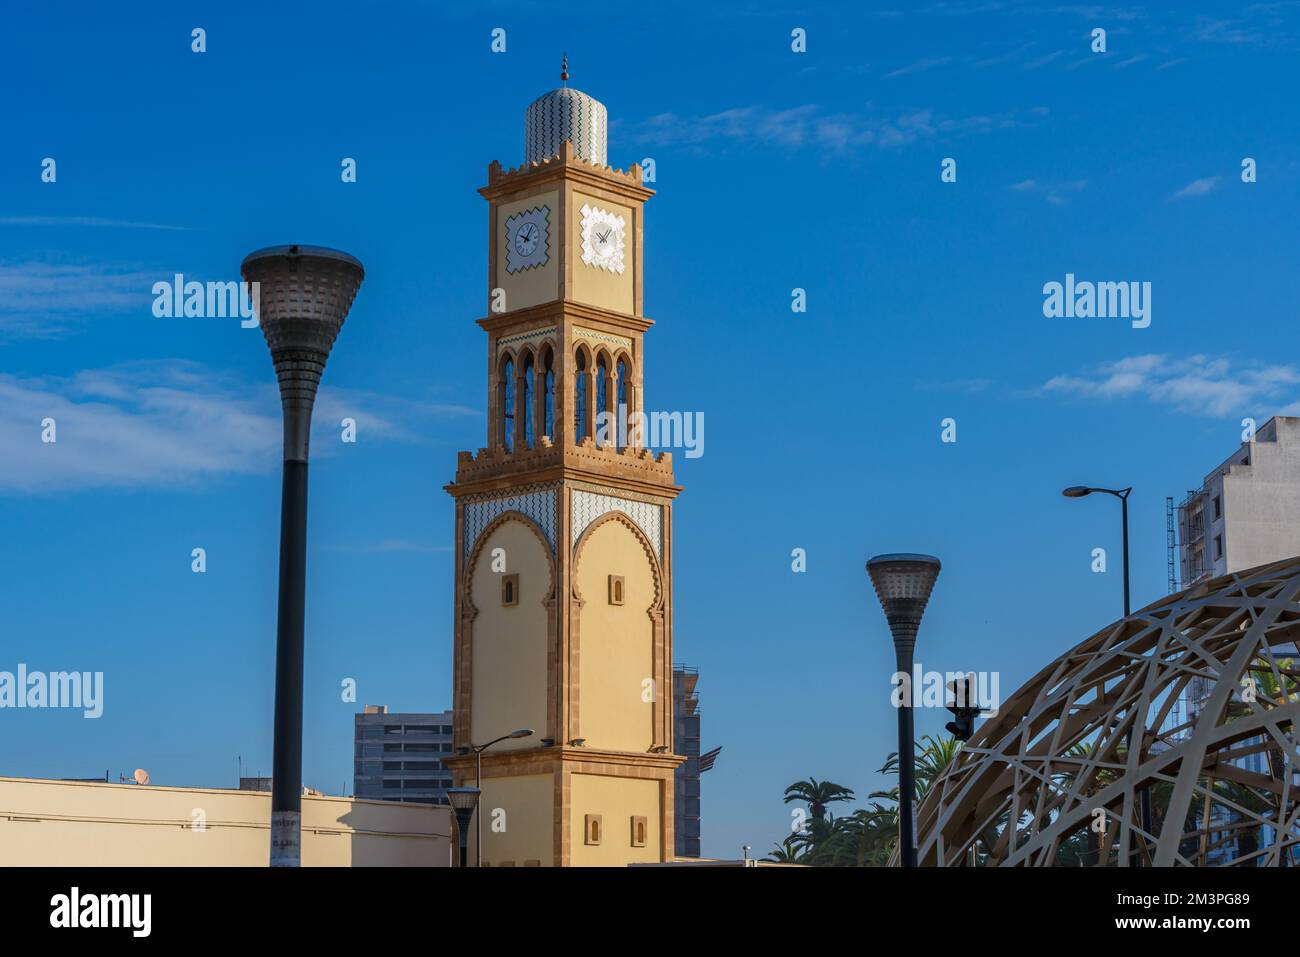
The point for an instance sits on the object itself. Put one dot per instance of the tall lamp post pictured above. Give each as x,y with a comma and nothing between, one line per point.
303,295
478,750
1080,491
903,584
463,801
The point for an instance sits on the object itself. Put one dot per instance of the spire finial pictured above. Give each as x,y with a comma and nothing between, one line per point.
564,70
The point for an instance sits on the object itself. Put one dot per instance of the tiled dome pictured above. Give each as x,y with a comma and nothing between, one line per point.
565,114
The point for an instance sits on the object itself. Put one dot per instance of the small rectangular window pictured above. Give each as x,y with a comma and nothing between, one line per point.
591,829
1218,547
509,590
1218,508
616,589
638,831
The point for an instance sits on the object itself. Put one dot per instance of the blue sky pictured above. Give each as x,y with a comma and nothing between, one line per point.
775,170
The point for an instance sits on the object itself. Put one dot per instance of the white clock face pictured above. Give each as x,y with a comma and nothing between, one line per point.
528,239
602,239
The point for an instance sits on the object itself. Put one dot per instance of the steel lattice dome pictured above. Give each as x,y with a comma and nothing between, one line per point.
1209,676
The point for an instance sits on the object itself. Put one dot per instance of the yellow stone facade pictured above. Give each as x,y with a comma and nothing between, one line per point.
563,580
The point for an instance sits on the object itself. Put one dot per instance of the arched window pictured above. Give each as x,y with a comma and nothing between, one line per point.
508,405
621,410
548,396
530,401
580,398
602,376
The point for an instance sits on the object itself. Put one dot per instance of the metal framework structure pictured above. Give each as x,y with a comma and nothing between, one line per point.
1194,697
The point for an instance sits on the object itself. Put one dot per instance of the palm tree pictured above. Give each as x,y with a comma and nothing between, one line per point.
785,853
932,758
817,794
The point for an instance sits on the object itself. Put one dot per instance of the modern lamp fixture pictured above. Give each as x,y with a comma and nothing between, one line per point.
903,584
303,295
463,802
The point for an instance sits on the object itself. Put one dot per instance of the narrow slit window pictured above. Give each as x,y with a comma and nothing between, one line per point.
580,400
509,590
508,405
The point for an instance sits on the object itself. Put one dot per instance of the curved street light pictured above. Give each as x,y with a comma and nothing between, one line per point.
478,750
1080,491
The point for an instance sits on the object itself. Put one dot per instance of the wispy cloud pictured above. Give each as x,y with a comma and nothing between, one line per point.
158,424
1232,32
972,386
1197,187
920,66
809,126
85,221
1200,384
1055,193
1045,59
44,299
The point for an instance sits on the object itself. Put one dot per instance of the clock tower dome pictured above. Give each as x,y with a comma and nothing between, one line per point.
563,577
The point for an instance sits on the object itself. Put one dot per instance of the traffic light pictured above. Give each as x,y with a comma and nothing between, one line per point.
964,708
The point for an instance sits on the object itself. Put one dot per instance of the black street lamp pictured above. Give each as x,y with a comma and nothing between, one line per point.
302,295
478,750
1079,491
903,584
463,801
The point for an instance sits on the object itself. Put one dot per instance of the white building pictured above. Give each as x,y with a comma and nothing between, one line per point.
1247,512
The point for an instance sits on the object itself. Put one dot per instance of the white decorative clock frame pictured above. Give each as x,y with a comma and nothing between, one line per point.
538,216
592,217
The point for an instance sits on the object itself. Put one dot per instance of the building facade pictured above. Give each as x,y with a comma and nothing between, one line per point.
80,824
686,742
563,541
1247,511
1246,514
400,756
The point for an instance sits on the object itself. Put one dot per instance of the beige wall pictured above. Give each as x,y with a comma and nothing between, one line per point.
616,642
617,800
63,823
509,652
527,813
594,285
530,287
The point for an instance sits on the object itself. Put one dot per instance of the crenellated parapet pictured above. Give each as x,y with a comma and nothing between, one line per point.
564,163
638,468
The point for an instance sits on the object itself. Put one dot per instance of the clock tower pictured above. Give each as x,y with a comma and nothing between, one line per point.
563,580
